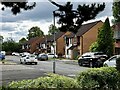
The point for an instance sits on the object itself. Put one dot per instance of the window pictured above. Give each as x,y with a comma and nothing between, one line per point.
117,34
67,41
70,40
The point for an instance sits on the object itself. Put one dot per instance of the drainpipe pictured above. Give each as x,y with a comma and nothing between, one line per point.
81,45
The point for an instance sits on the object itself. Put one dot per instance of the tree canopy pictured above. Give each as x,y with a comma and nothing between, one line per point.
105,39
116,11
52,29
22,40
71,19
34,32
10,46
17,6
1,37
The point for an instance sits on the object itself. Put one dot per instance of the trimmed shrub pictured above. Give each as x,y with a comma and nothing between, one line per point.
100,78
51,81
118,64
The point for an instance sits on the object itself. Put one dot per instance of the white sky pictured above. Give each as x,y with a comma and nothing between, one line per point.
17,26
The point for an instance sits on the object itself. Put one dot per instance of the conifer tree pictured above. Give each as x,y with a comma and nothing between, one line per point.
105,40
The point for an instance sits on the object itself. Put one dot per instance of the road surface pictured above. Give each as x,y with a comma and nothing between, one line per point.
19,71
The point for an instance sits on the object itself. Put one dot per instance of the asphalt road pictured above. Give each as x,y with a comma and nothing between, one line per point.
19,71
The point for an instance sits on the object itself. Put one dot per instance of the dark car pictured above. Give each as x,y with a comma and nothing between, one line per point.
92,59
2,56
42,57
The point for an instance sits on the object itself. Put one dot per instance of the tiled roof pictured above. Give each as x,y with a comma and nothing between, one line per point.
57,35
86,27
83,29
46,38
50,38
33,40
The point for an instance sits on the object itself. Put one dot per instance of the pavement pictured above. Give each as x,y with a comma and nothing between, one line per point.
7,63
75,62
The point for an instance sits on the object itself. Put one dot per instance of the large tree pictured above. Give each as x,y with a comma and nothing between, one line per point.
34,32
116,10
1,41
16,7
22,40
105,39
10,46
52,29
71,19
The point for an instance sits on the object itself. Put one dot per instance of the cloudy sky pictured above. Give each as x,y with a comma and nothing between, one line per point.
17,26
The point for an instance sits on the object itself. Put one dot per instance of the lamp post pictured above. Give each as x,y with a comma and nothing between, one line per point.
54,41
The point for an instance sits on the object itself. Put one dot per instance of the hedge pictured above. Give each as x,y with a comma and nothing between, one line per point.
100,78
50,81
104,78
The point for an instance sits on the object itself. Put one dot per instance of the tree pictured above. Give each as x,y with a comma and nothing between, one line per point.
52,29
70,19
94,47
10,46
16,7
116,11
1,41
1,37
22,40
105,39
34,32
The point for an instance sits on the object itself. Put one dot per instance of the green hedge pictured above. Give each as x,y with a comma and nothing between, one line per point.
101,78
51,81
95,78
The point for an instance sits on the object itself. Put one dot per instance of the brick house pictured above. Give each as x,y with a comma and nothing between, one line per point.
78,44
116,29
47,45
31,45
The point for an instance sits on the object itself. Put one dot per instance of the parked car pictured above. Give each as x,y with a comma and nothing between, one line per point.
15,54
111,62
50,55
92,59
43,57
3,52
28,59
25,53
2,56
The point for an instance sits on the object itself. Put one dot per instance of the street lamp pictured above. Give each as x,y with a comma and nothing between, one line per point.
54,41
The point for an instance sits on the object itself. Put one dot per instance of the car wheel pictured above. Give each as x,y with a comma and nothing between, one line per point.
35,63
80,63
20,62
91,65
25,62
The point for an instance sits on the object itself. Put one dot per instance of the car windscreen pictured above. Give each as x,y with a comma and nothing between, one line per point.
99,53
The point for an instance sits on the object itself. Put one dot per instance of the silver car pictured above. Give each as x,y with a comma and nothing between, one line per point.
28,59
111,62
42,57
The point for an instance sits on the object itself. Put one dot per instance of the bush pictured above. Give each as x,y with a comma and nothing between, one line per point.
51,81
118,64
102,78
